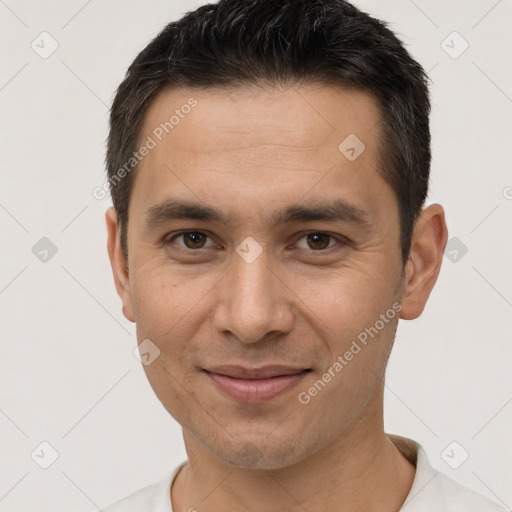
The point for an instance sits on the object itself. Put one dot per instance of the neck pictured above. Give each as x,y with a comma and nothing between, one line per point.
361,470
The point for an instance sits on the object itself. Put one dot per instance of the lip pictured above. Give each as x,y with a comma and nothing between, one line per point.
255,385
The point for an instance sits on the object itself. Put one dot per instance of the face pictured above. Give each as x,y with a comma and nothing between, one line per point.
274,314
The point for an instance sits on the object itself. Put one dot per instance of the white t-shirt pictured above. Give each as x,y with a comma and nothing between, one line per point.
431,490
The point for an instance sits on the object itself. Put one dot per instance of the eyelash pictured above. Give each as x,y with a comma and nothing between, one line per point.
341,240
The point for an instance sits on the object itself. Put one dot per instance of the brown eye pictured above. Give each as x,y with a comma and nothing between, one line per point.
318,241
194,240
190,240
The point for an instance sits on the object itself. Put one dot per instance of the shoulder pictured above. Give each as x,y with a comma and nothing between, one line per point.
142,499
442,493
152,498
433,490
453,496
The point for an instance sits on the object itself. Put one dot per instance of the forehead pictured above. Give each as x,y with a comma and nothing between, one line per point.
303,116
254,142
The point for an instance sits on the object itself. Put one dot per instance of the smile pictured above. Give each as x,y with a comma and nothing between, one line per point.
255,385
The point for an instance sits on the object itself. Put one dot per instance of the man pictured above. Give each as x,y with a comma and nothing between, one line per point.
269,163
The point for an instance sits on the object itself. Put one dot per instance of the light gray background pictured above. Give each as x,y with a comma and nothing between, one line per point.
68,374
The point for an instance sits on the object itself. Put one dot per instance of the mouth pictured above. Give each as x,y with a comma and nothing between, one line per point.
255,385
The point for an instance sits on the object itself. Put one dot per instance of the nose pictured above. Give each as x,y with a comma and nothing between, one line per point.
253,301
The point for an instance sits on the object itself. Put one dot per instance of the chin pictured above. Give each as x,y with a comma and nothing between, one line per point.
264,455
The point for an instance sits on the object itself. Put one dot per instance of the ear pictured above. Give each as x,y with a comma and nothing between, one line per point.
425,259
119,263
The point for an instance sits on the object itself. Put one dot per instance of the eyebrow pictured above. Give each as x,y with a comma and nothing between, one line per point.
338,210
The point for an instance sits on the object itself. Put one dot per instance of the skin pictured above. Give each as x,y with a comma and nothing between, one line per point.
249,152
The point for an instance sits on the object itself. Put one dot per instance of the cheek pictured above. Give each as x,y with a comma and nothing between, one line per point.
344,302
176,395
355,317
169,312
170,309
164,297
340,391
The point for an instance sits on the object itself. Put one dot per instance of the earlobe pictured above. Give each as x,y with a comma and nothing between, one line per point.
118,263
425,259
